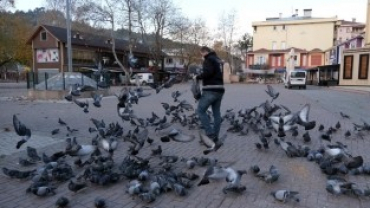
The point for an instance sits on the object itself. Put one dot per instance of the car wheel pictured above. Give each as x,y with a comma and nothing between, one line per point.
143,83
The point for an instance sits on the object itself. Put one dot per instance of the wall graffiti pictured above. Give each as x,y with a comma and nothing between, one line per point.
47,55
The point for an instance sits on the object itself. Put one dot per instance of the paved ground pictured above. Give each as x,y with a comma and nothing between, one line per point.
296,174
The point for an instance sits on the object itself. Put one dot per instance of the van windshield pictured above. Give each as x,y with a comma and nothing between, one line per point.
298,75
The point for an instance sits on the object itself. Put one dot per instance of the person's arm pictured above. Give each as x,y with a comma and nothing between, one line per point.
208,70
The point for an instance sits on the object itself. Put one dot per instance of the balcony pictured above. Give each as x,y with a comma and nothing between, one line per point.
259,66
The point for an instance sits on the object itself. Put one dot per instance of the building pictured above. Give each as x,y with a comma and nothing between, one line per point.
49,47
174,60
305,32
354,68
347,30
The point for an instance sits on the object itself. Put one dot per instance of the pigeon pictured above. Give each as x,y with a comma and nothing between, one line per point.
354,162
321,127
306,137
75,187
62,202
55,131
178,136
26,162
303,115
97,99
270,176
285,195
99,202
347,134
32,153
84,105
180,190
344,115
21,130
157,151
272,93
75,90
109,145
147,197
213,172
282,124
195,89
61,122
337,125
43,191
16,173
233,178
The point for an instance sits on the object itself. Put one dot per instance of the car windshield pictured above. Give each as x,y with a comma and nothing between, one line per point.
298,75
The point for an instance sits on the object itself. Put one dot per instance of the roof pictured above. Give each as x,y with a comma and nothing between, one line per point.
287,50
351,23
294,20
87,39
316,50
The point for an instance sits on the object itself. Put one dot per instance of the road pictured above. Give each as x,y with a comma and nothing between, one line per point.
296,173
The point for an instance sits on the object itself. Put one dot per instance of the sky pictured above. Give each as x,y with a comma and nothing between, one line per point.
248,11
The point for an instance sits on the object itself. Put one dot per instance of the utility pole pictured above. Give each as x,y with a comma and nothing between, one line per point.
69,44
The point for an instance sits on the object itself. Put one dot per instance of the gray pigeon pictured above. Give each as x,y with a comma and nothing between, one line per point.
303,118
272,93
96,99
195,89
21,130
285,195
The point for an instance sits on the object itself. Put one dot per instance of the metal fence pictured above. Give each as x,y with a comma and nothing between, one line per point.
62,81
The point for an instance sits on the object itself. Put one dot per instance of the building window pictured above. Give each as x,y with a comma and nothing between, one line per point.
348,64
284,27
169,61
182,61
273,45
283,45
316,59
43,36
363,67
348,29
304,60
279,61
274,28
254,28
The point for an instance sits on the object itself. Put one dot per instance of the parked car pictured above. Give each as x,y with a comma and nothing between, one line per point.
142,79
295,78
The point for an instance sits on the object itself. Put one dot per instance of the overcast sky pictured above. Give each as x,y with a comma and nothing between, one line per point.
253,10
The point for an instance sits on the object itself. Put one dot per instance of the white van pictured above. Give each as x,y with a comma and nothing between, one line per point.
295,78
142,78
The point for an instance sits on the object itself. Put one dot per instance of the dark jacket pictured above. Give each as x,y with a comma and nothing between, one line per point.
212,74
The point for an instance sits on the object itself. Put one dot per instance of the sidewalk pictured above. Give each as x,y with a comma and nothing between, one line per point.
358,89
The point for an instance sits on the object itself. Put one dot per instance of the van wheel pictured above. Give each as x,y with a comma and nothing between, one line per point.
144,83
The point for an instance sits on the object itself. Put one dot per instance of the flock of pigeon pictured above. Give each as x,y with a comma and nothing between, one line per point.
146,178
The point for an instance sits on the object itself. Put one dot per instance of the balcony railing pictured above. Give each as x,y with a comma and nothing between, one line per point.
259,66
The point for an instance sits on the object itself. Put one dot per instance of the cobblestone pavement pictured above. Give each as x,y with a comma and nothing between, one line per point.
296,173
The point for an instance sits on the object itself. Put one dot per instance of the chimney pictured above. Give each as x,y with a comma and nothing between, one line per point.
280,15
353,19
307,12
367,28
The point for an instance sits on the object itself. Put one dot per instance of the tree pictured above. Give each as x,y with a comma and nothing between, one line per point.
5,4
246,42
227,27
108,12
161,15
14,32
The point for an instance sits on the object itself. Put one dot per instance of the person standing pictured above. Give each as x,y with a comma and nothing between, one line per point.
212,92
